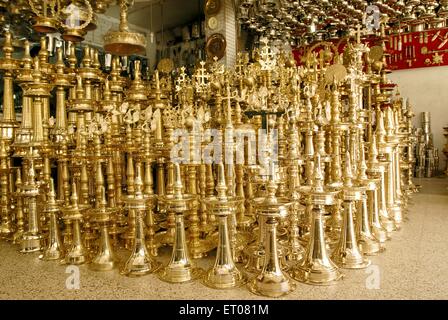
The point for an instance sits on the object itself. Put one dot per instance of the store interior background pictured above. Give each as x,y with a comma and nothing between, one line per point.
171,15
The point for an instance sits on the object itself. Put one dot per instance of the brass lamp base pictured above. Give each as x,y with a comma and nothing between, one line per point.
18,236
380,234
198,248
316,274
350,262
139,266
397,216
271,285
369,245
388,225
255,258
6,230
180,274
165,238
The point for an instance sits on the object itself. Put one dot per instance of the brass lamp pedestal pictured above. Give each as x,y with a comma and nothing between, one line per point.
271,281
224,274
316,267
180,269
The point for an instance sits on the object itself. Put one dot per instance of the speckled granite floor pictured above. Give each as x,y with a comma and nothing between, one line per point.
414,266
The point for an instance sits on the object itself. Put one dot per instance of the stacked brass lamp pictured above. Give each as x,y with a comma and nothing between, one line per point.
290,173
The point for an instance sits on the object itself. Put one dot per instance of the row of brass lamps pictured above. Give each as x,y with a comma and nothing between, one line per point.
328,188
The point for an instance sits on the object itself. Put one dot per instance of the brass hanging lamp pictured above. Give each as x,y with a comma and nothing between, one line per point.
46,16
124,42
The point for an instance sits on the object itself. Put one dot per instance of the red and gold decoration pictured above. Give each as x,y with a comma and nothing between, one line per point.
420,49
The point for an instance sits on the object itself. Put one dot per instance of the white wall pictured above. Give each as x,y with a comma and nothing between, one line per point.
427,89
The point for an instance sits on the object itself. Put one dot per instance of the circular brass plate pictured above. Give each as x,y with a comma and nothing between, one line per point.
213,23
212,7
124,43
165,65
335,72
216,46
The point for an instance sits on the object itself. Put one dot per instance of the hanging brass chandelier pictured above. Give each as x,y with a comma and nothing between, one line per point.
123,42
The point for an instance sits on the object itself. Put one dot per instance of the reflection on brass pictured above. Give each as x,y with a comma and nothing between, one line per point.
212,7
180,268
54,249
271,281
216,46
302,22
71,18
124,42
182,164
224,274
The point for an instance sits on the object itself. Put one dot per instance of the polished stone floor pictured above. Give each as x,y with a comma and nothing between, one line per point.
414,266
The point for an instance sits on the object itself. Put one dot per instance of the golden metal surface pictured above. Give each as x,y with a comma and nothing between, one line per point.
216,46
124,42
290,172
